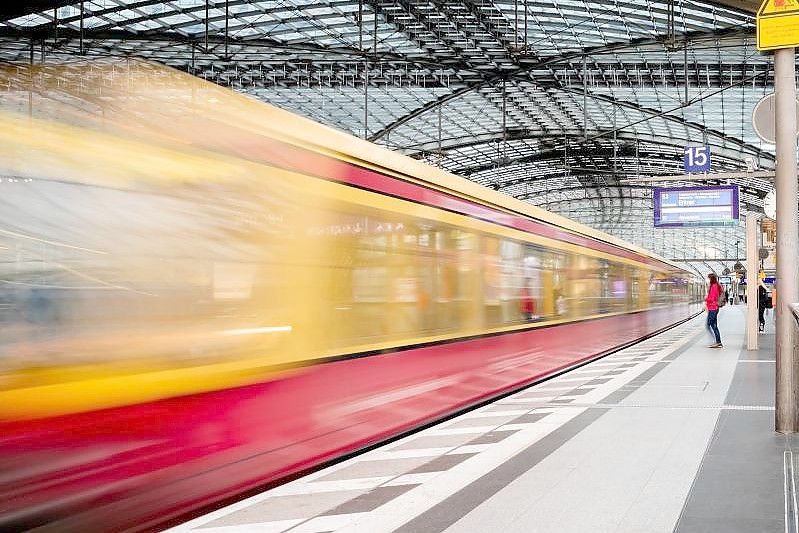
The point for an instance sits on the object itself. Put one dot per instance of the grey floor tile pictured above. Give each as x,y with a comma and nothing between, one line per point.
749,434
691,524
753,385
437,441
443,463
502,407
484,421
529,418
385,467
740,484
736,494
371,500
492,437
578,392
286,508
618,395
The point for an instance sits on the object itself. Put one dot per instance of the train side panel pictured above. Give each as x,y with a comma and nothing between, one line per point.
200,294
132,467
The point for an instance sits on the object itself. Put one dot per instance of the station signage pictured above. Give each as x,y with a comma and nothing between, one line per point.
696,206
696,159
778,24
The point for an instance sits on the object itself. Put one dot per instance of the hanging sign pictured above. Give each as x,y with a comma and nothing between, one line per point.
696,159
778,24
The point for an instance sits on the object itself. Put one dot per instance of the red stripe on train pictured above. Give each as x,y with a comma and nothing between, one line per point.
133,467
290,157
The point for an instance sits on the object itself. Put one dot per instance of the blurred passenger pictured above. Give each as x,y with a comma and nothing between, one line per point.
527,304
560,302
716,297
762,304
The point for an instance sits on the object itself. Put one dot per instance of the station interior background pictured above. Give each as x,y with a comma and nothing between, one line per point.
561,103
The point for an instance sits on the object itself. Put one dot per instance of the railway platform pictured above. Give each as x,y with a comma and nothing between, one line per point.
666,435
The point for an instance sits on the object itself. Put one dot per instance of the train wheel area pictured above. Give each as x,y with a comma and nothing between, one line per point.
655,437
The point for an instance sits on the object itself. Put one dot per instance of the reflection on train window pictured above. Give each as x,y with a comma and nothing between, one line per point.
292,285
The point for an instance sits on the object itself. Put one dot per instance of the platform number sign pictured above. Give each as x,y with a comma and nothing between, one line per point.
697,159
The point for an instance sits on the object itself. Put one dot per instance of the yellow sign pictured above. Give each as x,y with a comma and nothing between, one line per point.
778,24
778,7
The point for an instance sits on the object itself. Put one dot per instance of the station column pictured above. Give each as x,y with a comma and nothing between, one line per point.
752,279
787,239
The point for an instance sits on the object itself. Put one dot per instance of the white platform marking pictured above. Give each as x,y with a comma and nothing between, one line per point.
437,486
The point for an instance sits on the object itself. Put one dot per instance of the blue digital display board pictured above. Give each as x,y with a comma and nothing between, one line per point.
696,206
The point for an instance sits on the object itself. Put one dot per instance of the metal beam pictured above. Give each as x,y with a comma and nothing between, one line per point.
703,259
10,10
749,6
552,143
717,176
553,61
157,36
553,148
666,114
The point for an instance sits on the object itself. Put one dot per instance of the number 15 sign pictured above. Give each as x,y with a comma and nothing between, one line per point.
697,159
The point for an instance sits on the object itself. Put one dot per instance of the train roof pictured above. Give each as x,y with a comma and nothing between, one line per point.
126,96
342,145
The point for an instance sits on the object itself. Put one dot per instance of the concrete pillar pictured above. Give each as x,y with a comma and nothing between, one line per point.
752,280
787,239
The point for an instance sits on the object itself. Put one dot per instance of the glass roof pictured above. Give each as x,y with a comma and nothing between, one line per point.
566,104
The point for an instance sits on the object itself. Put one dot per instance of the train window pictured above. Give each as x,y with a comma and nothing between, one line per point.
661,289
653,290
491,261
585,290
560,264
445,281
369,283
532,290
512,280
634,275
618,288
466,267
513,284
402,279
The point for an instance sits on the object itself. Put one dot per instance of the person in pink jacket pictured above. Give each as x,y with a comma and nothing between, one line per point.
712,306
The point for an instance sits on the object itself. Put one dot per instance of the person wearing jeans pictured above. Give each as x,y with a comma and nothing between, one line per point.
712,306
762,305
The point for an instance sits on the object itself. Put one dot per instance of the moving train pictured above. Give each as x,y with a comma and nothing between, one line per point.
201,294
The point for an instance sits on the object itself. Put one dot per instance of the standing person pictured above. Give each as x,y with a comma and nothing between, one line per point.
714,294
762,304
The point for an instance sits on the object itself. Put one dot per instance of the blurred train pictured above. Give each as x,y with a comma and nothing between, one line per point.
201,294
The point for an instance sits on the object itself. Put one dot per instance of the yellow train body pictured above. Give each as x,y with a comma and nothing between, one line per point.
147,253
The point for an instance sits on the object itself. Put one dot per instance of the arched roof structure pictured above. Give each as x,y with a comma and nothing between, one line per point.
566,104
